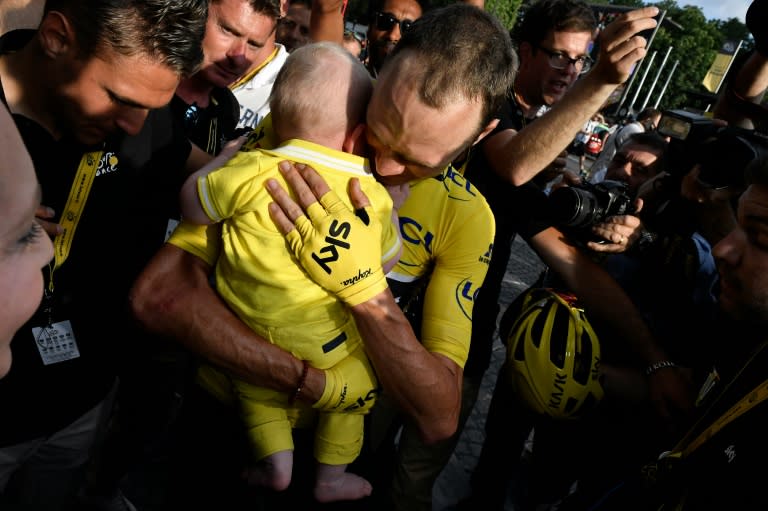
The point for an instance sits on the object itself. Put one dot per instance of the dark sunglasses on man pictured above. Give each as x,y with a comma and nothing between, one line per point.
386,21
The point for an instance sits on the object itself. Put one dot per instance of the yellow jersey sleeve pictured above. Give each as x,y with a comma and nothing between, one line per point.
203,241
453,285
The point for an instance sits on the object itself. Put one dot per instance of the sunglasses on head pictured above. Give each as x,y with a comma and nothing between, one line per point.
386,21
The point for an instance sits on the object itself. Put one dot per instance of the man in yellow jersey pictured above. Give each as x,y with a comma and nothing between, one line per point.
428,107
422,377
417,464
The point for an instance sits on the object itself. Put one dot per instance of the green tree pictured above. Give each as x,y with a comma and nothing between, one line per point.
694,42
734,30
505,10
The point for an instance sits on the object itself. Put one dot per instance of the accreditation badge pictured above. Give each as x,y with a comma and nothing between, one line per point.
56,342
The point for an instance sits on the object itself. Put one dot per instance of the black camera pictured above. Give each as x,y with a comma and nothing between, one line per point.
581,206
722,151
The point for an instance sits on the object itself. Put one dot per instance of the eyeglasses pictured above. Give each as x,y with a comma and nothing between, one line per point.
386,21
559,60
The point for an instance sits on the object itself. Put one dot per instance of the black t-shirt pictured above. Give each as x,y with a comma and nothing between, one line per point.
517,209
726,471
130,207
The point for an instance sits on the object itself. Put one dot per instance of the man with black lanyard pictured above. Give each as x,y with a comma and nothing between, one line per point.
87,93
718,462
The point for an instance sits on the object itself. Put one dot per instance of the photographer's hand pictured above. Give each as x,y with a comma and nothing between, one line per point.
621,231
621,47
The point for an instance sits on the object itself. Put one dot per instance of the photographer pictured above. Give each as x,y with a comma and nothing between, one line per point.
656,236
658,213
685,205
508,423
610,219
691,206
609,211
717,463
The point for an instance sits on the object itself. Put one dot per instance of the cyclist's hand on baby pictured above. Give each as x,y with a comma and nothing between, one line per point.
338,247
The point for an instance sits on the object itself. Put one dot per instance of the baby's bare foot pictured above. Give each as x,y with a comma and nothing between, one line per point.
343,487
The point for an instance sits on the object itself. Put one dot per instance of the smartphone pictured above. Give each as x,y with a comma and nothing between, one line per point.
605,14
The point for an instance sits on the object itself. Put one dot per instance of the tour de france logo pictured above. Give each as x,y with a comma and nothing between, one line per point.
107,163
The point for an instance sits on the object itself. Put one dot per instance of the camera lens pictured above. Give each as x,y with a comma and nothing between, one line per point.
573,207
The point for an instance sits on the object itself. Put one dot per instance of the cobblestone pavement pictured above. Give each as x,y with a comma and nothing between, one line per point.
453,484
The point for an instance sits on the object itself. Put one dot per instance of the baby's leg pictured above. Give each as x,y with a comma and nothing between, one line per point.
273,471
339,436
334,483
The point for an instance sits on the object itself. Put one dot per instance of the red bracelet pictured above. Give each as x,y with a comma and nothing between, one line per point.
302,381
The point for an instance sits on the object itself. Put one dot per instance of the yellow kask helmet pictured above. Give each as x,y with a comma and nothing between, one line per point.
553,354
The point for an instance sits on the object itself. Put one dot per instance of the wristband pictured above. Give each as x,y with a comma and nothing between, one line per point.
302,381
651,369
